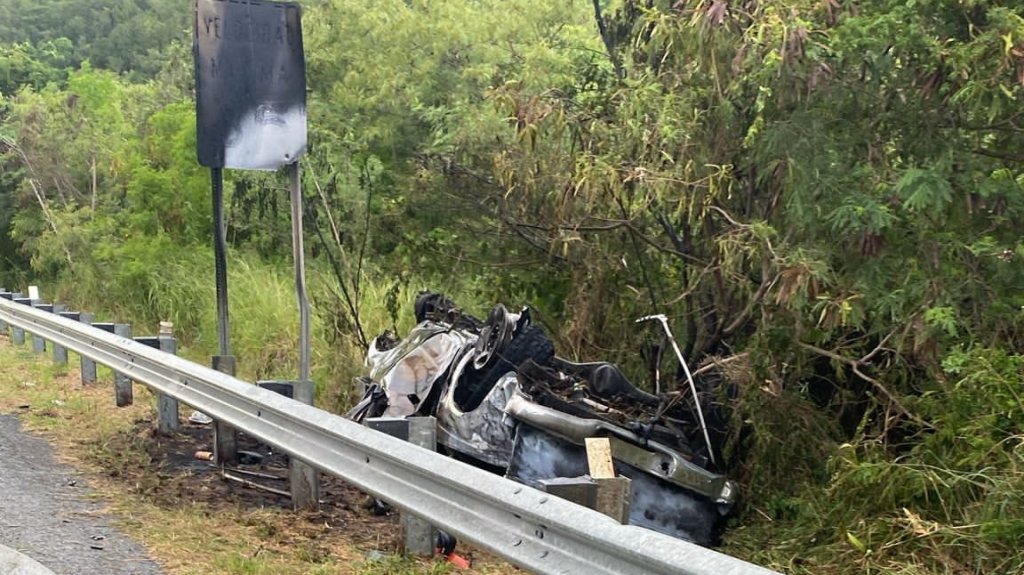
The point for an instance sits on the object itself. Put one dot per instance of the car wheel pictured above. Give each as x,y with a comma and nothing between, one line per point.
474,385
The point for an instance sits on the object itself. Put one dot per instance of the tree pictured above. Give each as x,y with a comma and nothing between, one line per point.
129,36
827,198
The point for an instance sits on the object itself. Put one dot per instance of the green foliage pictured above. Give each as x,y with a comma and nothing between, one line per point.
25,64
825,198
129,36
398,565
407,133
950,502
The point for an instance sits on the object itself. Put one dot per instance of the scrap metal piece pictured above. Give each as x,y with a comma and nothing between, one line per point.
654,458
689,377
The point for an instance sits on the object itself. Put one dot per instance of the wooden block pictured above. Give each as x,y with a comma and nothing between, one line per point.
599,457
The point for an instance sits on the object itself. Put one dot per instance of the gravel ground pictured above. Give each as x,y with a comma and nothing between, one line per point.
46,512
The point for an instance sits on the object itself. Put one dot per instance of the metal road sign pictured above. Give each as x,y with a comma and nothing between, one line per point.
250,84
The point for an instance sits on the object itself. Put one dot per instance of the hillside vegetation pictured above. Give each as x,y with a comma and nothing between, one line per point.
825,196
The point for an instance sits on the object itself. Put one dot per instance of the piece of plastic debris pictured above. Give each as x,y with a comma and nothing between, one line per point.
445,543
204,455
200,418
457,560
374,555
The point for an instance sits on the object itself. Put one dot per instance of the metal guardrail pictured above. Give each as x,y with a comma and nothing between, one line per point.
531,529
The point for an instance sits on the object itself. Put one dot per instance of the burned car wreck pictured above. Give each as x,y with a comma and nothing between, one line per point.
506,402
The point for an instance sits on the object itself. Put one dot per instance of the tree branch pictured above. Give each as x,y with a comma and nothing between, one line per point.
855,365
999,155
609,42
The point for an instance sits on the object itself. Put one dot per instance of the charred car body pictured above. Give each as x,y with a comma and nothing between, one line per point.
505,401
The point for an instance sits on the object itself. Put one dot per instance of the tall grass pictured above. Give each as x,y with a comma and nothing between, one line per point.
178,286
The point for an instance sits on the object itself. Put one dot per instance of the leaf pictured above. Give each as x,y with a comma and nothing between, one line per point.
943,318
924,191
857,543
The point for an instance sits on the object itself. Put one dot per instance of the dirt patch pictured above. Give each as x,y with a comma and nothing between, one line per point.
173,475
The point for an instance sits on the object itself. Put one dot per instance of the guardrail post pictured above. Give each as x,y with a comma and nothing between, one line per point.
88,365
166,406
122,384
6,295
613,497
225,437
420,536
17,333
38,343
60,353
613,493
303,478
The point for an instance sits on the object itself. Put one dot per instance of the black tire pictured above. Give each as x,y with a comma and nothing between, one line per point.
473,386
493,337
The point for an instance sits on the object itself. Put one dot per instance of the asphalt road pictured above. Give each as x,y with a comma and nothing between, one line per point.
46,513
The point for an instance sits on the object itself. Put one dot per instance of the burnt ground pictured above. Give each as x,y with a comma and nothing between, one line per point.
173,474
